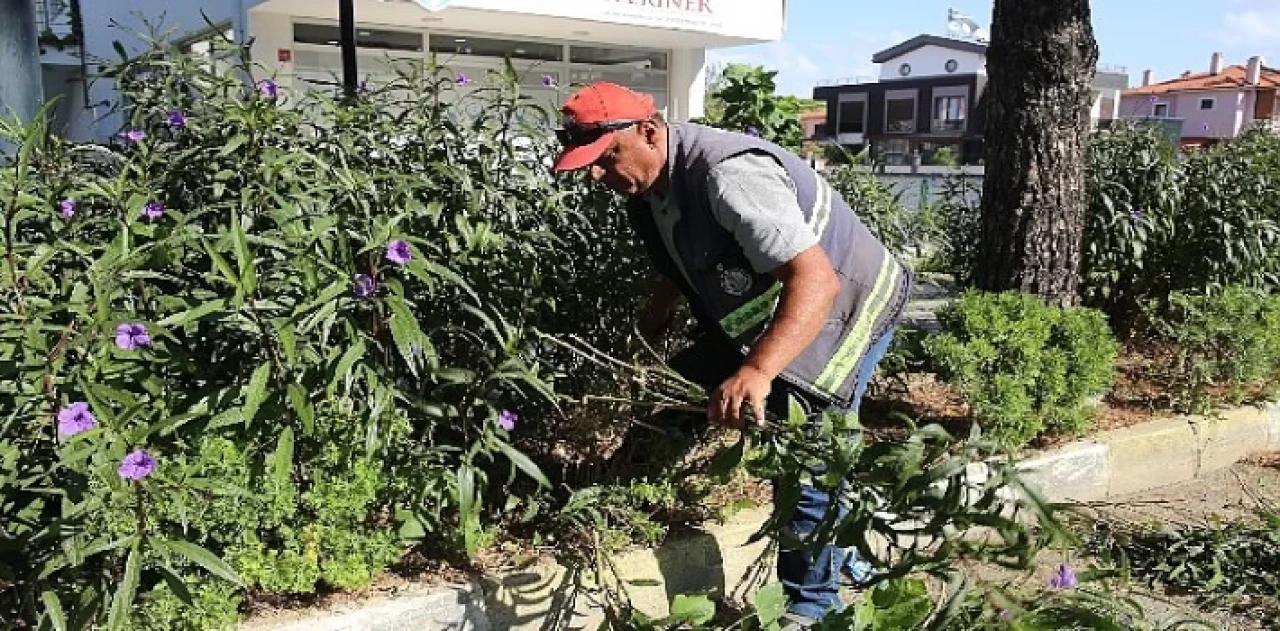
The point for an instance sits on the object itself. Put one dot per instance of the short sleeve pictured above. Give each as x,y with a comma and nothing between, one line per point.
753,198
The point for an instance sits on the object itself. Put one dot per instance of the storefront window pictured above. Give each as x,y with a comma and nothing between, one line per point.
444,45
633,57
380,39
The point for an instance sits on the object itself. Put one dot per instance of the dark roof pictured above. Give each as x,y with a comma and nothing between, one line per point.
920,41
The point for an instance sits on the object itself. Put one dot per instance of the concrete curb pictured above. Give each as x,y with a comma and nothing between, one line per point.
1118,462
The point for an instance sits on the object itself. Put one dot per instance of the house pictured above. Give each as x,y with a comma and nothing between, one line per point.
813,123
928,98
1206,107
659,48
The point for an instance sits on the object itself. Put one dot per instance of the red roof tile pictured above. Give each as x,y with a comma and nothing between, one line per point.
1230,77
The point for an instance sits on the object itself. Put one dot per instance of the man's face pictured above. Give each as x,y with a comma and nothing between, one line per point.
634,161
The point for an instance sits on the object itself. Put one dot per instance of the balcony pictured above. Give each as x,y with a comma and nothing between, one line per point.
900,127
948,126
56,22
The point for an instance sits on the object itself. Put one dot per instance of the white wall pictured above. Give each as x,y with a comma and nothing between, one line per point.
928,61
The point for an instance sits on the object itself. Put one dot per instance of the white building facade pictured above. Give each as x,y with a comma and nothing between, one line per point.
655,46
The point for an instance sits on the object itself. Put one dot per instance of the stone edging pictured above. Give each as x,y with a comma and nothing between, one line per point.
1113,463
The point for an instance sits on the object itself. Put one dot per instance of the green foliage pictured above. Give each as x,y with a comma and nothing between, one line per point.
745,100
1236,560
304,433
907,232
1161,221
1210,349
1023,366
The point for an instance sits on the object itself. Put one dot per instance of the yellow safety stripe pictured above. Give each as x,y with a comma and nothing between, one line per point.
856,340
747,316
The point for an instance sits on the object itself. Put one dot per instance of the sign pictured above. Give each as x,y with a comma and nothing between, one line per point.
748,19
284,55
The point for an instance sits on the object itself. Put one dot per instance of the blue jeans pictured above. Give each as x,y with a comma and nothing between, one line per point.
811,579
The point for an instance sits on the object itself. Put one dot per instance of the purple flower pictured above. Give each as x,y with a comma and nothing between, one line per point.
153,209
1182,155
752,131
507,420
135,135
269,88
177,120
398,252
67,207
132,336
1137,215
462,79
1064,578
75,418
137,465
1005,614
364,286
549,81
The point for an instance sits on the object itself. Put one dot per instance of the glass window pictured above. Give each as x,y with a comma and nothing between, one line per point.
852,117
1161,110
491,47
636,80
634,57
1206,104
949,113
900,116
380,39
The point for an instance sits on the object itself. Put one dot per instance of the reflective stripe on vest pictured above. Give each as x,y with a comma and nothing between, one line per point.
855,342
821,206
753,313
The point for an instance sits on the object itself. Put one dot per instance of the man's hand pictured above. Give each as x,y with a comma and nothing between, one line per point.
749,386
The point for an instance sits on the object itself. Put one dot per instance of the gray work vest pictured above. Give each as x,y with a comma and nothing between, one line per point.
726,294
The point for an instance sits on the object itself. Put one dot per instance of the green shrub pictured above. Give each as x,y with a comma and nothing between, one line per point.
1221,347
311,403
1161,221
1024,367
908,232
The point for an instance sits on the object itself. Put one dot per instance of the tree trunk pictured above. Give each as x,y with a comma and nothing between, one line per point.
1040,63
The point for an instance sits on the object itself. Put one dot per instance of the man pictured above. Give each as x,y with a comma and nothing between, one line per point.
793,295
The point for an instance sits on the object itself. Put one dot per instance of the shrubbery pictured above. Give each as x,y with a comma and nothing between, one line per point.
1222,347
262,337
1025,367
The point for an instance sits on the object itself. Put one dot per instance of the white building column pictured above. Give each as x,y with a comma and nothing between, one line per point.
688,77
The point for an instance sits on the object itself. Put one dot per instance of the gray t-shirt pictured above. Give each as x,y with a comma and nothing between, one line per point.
752,196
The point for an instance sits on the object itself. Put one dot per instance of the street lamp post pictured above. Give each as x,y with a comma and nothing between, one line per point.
347,24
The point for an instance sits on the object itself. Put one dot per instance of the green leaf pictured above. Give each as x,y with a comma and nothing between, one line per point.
348,360
53,609
408,337
122,602
192,315
692,609
524,463
645,582
726,460
770,603
176,585
203,558
223,266
282,459
256,392
302,407
235,143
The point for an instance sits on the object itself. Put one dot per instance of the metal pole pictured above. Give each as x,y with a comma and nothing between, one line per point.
347,24
21,88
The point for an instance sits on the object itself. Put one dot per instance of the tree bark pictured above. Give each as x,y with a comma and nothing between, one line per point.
1040,63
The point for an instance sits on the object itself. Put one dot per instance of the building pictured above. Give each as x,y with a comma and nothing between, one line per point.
655,46
927,100
813,123
1206,107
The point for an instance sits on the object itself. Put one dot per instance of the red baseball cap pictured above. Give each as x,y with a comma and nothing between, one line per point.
592,116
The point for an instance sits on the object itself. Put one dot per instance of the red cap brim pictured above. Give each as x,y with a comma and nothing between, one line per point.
575,158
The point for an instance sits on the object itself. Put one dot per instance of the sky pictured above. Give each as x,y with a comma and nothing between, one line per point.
833,39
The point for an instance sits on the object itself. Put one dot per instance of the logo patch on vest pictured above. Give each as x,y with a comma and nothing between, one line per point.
735,281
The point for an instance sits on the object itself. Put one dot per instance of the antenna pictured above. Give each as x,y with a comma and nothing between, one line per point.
964,26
